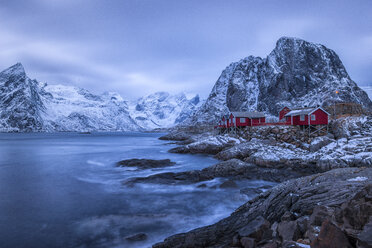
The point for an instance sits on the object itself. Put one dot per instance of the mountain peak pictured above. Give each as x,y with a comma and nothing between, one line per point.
15,69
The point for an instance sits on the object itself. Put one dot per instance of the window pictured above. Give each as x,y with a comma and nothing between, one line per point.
302,117
242,120
313,117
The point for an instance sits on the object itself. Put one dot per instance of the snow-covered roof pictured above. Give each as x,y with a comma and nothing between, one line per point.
248,114
304,111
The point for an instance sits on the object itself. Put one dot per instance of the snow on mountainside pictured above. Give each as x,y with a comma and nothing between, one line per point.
27,106
21,106
296,73
74,109
162,110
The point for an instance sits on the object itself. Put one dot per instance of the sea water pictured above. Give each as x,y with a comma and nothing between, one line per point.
64,190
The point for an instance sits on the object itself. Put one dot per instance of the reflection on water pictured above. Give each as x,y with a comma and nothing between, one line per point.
64,190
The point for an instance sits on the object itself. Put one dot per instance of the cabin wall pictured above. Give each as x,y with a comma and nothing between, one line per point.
297,120
242,124
321,118
283,112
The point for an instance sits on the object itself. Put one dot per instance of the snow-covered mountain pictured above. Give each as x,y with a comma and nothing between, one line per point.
296,73
162,110
27,105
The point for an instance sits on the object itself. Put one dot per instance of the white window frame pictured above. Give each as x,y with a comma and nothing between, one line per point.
242,120
302,117
312,117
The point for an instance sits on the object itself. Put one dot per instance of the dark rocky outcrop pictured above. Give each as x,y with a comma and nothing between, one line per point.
137,237
292,212
232,169
145,163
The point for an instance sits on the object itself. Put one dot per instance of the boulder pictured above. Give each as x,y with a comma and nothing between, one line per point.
288,230
145,163
247,242
319,142
331,236
228,184
137,237
365,237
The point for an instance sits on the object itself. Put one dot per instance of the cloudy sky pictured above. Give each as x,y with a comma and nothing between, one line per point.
137,47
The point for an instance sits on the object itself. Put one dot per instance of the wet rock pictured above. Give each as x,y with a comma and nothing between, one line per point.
203,185
137,237
331,236
233,169
228,184
251,191
299,196
176,136
145,163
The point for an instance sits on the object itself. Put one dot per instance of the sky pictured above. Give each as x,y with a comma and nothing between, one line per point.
137,47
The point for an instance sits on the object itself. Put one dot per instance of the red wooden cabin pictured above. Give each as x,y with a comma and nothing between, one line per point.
246,119
283,112
308,116
224,123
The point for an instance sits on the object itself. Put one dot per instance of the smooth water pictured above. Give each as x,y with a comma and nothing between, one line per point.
63,190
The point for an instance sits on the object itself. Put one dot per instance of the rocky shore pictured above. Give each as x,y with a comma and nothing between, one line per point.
331,209
324,198
322,201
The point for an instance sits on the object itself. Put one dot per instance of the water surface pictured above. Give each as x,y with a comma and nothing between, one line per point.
63,190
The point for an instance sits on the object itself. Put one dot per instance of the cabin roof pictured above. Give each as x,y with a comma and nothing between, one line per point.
248,114
304,111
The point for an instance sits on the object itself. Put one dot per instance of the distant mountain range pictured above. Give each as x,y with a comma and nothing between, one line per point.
30,106
296,73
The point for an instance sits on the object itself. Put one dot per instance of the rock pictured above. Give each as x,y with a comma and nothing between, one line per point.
137,237
203,185
287,216
355,213
270,244
251,191
365,237
299,196
319,142
233,169
228,184
288,230
145,163
207,144
255,229
331,236
176,136
247,242
320,214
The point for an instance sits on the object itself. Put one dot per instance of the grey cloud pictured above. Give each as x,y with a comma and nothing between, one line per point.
137,47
